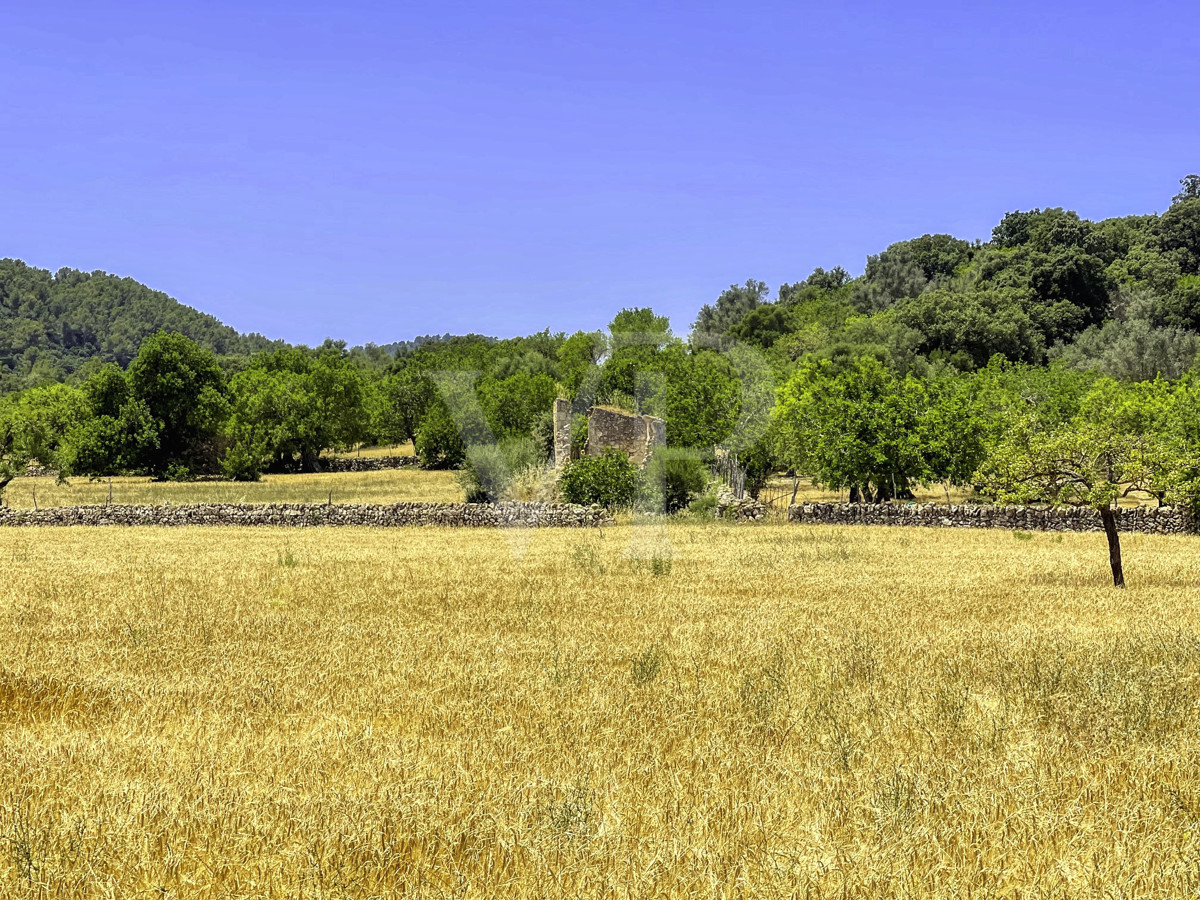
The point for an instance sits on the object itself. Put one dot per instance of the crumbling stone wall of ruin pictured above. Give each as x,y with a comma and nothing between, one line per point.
635,435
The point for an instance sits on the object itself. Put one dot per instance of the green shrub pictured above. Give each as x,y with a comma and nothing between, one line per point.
673,478
244,462
489,469
705,505
485,475
610,480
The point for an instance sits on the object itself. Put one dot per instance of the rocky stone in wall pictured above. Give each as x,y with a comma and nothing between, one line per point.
1141,519
300,515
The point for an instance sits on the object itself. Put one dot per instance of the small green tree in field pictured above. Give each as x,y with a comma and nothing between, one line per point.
1118,445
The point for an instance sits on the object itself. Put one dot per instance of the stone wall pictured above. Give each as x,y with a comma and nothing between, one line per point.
739,509
1143,519
477,515
368,463
636,435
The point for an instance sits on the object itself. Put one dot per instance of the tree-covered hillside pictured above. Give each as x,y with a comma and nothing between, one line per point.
1119,296
51,324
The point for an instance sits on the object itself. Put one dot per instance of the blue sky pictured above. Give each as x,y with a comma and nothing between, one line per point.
373,171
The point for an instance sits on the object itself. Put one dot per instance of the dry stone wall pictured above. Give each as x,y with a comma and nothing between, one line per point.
1145,520
368,463
301,515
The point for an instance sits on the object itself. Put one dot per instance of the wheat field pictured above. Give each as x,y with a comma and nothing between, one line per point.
713,711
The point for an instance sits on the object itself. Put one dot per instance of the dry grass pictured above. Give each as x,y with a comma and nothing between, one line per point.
764,712
390,486
778,494
405,449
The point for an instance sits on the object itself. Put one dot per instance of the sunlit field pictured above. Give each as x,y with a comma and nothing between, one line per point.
388,486
395,450
748,712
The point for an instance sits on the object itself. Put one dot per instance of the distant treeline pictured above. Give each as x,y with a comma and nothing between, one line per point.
930,367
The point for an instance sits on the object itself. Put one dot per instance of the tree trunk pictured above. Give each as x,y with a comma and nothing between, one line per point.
1109,517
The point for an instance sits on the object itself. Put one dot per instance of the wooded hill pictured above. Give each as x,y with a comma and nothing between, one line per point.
52,324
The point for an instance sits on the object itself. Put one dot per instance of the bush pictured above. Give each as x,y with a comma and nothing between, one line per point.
485,474
673,478
243,463
610,480
489,470
705,504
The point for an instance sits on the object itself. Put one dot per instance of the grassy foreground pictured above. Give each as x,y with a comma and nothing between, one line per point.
389,486
763,712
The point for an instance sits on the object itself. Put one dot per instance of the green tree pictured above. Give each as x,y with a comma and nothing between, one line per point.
1189,189
34,426
118,434
734,303
183,391
515,404
763,326
856,427
701,394
890,276
979,324
578,358
438,442
400,401
1179,234
634,367
291,405
1115,446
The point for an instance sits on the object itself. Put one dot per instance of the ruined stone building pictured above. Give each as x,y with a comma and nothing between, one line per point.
636,435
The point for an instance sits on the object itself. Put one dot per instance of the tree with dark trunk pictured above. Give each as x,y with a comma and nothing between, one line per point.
1118,446
1109,517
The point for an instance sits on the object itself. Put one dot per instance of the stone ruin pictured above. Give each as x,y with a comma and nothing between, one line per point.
635,435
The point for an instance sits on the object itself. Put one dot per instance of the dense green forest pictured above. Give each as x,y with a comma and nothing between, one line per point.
1056,362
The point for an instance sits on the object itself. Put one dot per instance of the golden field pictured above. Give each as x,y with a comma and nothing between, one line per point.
388,486
763,711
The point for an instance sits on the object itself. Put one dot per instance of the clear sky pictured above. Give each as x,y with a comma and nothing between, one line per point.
373,171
